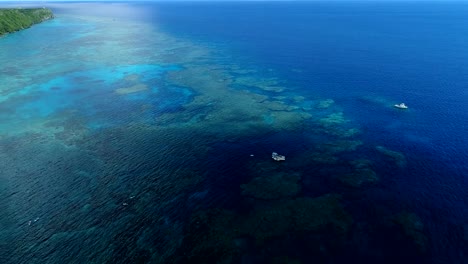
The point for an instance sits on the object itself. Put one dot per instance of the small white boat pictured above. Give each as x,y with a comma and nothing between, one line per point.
277,157
401,106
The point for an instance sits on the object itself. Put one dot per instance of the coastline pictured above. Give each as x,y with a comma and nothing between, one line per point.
16,19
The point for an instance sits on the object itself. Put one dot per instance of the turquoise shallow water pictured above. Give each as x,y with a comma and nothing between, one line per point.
143,133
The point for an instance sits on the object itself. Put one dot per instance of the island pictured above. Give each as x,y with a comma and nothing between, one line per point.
15,19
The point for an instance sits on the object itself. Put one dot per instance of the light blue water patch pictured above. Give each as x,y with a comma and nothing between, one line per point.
171,98
46,35
268,119
82,79
92,93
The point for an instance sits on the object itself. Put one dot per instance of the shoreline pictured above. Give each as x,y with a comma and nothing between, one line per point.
16,19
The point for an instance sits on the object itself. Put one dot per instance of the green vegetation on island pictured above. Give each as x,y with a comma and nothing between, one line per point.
14,19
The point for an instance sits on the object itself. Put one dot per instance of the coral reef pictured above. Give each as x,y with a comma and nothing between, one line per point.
413,228
266,84
362,173
298,98
273,185
210,238
228,112
397,157
326,153
132,89
336,125
220,236
325,104
347,133
271,181
339,146
297,215
333,120
323,158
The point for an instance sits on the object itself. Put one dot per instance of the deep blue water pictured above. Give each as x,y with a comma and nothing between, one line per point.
129,133
365,56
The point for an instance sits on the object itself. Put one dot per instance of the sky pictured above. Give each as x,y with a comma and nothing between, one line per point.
10,2
25,1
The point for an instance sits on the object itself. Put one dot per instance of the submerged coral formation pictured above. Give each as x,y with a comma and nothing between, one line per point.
333,120
362,173
132,89
211,238
273,185
335,124
270,181
230,113
222,235
325,104
413,228
266,84
339,146
328,152
397,157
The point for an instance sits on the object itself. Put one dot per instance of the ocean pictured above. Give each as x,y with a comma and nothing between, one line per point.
143,132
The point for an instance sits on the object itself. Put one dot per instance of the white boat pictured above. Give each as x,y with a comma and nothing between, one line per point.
277,157
401,106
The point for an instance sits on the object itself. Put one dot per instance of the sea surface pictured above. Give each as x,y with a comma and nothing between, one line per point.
143,132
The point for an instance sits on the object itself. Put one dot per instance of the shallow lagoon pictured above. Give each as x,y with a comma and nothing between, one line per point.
127,139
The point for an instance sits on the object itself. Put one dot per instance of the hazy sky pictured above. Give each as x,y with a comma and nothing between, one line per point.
20,1
45,1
